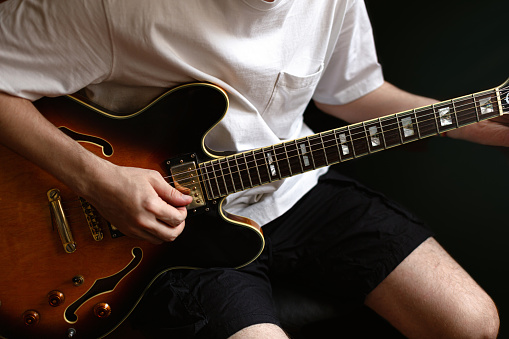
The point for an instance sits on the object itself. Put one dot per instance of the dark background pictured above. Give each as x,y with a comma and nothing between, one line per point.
445,49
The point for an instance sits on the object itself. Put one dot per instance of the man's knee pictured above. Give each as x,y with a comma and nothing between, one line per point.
430,295
260,331
477,318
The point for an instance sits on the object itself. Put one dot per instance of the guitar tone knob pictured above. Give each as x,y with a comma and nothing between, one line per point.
31,317
56,298
102,310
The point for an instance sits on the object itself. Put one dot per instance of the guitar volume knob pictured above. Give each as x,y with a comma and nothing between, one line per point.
56,298
31,317
102,310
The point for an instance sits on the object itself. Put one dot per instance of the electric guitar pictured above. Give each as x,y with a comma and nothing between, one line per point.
66,272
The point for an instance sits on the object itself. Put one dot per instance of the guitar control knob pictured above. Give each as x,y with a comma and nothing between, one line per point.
78,280
31,317
102,310
56,298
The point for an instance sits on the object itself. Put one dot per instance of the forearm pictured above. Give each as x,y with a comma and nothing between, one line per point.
385,100
139,201
24,130
27,132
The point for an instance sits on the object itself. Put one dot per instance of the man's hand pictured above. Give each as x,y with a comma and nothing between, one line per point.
137,201
493,132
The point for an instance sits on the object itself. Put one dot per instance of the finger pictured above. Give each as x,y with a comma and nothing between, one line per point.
162,232
164,212
143,234
169,193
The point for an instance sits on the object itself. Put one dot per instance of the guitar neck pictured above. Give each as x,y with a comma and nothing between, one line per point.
241,171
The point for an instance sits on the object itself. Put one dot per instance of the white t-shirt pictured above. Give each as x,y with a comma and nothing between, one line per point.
270,57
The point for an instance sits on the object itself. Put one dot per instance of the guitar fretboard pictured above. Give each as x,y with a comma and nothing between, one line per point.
241,171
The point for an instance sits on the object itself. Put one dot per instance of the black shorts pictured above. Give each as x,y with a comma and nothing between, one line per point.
341,238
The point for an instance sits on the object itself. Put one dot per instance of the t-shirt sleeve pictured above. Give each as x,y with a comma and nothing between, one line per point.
51,48
353,69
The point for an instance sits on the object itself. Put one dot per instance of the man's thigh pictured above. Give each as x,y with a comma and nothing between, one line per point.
430,296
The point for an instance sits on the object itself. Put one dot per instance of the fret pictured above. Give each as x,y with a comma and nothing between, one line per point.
435,115
453,103
227,175
391,131
272,163
208,185
218,178
238,185
331,147
375,138
308,152
223,177
359,140
416,123
425,117
317,151
446,116
487,106
477,113
262,166
344,141
504,95
324,151
288,158
244,171
466,111
293,157
304,154
252,169
282,161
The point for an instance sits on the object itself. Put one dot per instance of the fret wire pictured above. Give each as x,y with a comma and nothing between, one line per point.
455,113
323,148
417,125
338,144
269,172
382,132
227,162
282,160
257,169
222,175
235,174
240,173
288,159
363,124
400,128
351,141
215,178
436,121
275,162
248,172
298,156
310,152
206,172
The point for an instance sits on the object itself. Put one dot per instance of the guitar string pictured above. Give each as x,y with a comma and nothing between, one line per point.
215,176
470,101
433,119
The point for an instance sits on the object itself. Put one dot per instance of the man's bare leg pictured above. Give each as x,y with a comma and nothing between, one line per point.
260,331
430,296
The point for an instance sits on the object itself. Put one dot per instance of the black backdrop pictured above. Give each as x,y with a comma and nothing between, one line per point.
446,49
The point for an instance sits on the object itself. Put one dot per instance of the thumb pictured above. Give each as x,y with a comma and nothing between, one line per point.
170,194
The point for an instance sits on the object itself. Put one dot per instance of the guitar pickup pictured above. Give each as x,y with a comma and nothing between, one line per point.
186,179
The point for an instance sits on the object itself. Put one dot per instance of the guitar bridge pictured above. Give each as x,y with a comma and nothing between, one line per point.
186,179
